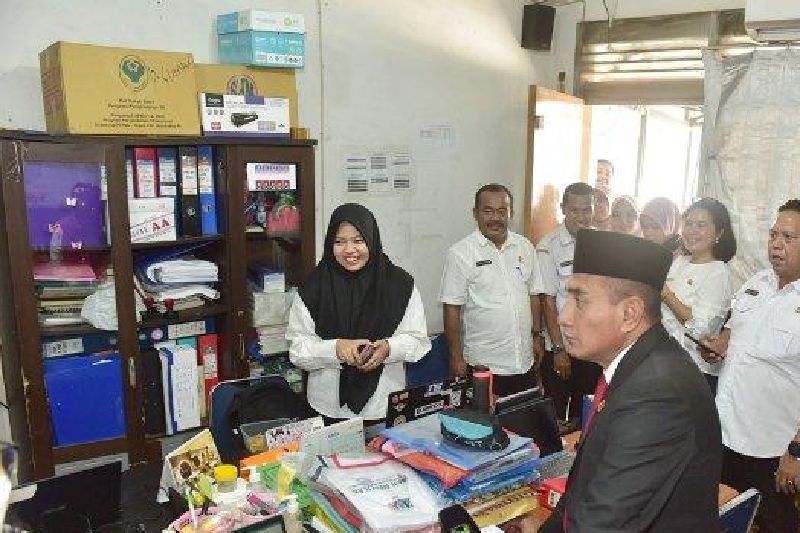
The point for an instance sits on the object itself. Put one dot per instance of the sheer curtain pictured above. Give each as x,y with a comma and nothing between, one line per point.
751,143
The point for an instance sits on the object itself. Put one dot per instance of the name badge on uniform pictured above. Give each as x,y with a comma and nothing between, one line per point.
751,292
484,262
566,263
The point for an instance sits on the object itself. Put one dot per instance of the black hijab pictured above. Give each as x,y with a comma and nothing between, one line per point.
367,304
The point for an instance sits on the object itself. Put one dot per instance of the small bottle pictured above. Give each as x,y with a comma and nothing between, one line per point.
225,476
291,518
482,389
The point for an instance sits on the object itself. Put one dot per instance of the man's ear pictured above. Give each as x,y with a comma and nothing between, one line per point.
633,312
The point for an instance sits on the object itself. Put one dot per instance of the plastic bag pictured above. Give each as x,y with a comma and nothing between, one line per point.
100,308
284,217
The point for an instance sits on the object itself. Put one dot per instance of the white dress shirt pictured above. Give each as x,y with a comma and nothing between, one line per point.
493,286
758,394
611,369
308,351
556,251
706,288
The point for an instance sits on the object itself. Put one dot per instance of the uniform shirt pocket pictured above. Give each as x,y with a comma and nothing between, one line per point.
488,288
785,334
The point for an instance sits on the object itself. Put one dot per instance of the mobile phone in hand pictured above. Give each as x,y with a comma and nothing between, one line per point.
702,345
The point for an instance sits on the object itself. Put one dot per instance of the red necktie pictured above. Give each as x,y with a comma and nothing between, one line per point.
599,396
600,392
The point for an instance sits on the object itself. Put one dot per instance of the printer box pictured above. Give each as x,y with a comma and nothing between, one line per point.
236,115
152,219
262,38
118,91
240,79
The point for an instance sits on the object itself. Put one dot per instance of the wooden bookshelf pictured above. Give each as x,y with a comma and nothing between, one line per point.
233,249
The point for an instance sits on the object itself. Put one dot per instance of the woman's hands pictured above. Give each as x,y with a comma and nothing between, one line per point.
379,355
349,352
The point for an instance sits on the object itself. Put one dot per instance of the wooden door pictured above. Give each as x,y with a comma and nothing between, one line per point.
558,140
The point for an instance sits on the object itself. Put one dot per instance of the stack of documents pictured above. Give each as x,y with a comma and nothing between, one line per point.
182,271
174,275
371,493
458,473
61,289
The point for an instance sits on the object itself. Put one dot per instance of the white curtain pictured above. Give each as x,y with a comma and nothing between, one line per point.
751,143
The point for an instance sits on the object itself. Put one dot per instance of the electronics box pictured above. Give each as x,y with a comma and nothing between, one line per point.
235,115
240,79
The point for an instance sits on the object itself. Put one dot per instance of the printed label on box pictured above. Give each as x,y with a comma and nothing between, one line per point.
65,347
187,329
155,228
271,176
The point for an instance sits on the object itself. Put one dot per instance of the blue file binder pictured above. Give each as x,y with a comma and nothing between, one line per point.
207,186
86,400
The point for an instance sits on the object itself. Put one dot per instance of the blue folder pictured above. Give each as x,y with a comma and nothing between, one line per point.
86,399
207,186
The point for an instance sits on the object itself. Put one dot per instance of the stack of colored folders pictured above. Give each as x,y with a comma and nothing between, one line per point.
61,289
456,473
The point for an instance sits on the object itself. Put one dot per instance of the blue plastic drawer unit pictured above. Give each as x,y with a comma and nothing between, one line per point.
85,397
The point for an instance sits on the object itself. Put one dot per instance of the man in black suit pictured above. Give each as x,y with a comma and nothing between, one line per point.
650,455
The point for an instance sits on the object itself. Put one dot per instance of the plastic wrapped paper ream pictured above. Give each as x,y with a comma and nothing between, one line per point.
270,309
389,496
272,339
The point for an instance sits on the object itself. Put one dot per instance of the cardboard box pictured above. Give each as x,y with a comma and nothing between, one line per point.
259,20
240,79
152,219
235,115
118,91
262,48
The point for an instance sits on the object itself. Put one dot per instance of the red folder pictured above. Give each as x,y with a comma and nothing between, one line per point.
145,172
208,352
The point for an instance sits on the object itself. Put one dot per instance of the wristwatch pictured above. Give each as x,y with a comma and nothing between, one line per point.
557,348
794,449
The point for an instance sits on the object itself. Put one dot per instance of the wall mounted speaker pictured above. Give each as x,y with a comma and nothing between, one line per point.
537,26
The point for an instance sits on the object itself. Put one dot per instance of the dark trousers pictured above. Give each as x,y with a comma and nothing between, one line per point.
511,384
776,513
569,391
506,385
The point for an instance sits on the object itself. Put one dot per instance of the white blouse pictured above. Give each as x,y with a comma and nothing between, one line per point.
308,351
706,288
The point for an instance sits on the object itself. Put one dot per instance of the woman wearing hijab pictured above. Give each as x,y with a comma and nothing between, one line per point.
660,221
355,321
625,215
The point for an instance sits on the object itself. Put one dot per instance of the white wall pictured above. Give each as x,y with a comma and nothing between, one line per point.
376,72
392,68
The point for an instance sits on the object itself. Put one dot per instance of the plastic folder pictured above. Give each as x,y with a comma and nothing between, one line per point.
85,398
